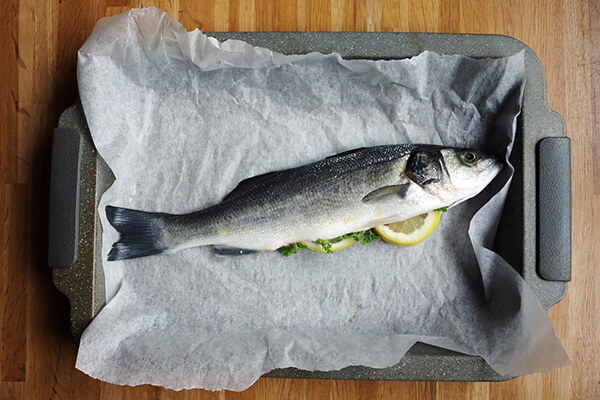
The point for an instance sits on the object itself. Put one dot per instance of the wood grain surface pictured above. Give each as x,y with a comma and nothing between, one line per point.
39,40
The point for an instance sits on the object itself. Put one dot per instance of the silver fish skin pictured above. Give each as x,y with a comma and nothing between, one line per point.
348,192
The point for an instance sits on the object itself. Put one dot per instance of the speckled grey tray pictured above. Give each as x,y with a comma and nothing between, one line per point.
539,248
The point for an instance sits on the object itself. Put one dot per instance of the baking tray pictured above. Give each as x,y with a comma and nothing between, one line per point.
534,234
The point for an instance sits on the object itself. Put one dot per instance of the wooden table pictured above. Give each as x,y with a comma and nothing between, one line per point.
39,42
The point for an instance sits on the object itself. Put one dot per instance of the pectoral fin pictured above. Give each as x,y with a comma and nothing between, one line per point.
386,191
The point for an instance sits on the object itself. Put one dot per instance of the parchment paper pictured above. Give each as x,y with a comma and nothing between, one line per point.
181,118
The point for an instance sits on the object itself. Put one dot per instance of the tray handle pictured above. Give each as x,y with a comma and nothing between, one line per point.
554,208
63,239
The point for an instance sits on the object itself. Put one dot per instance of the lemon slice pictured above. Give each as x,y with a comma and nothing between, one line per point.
410,232
336,244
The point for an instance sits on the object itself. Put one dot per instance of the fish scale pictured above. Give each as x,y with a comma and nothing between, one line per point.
344,193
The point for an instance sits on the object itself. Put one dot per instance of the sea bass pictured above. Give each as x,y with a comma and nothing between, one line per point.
348,192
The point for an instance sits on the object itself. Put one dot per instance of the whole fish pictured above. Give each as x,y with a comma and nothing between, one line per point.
348,192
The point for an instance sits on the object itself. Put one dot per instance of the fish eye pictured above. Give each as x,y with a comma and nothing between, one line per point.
469,157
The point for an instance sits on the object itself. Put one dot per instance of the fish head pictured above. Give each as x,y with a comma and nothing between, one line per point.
452,174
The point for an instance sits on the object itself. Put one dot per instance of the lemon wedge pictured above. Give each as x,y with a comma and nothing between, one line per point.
410,232
329,246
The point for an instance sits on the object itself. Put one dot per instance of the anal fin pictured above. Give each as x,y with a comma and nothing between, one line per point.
227,251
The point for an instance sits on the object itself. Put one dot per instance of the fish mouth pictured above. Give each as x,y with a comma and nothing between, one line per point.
490,168
495,165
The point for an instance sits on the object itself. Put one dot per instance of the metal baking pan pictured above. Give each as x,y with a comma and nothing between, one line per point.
534,234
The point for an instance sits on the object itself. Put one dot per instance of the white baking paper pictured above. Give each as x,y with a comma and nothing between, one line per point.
181,118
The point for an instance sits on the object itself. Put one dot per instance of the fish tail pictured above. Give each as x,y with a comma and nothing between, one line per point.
141,233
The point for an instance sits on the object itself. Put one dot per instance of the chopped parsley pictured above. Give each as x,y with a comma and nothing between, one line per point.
291,249
363,237
443,209
325,244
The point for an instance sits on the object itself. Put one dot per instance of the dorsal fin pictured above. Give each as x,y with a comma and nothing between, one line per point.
347,153
250,183
303,172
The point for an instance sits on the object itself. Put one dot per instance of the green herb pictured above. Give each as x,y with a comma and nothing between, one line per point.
367,236
291,249
443,209
325,244
363,237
